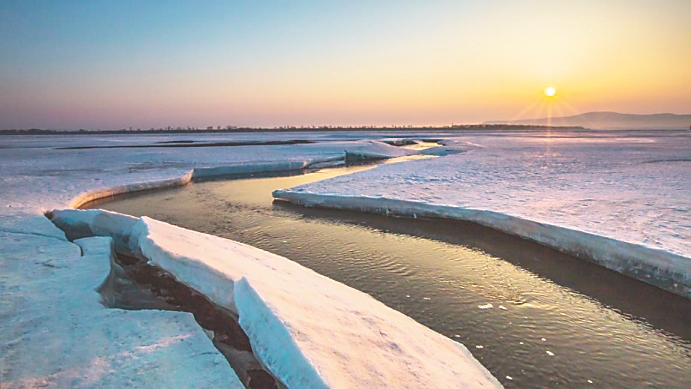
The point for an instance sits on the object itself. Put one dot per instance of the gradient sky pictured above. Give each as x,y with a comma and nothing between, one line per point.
114,64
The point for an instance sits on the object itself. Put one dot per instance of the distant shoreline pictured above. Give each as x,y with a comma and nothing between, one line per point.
611,121
468,127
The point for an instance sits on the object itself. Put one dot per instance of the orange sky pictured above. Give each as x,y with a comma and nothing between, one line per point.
113,65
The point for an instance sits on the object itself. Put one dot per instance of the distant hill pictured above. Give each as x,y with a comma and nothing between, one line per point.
612,121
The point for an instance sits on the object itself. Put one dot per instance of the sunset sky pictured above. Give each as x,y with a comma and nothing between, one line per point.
114,64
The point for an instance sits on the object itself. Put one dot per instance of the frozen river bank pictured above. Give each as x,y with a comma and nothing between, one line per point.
498,294
622,199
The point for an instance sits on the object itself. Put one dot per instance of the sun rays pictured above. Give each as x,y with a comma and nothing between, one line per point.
548,106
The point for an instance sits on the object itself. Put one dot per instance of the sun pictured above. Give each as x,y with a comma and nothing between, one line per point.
550,91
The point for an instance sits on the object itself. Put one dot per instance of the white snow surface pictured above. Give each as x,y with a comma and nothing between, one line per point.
45,178
591,190
54,332
309,330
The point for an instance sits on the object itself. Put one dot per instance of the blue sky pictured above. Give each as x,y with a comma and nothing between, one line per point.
106,64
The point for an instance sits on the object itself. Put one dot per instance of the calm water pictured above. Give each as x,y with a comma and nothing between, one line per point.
554,320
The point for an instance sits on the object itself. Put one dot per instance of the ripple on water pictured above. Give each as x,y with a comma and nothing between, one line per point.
564,322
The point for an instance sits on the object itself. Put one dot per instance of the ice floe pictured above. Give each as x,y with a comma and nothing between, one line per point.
308,330
56,332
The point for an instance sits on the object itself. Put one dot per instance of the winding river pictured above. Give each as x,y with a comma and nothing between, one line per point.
534,317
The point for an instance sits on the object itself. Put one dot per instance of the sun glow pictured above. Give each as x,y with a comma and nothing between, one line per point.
550,91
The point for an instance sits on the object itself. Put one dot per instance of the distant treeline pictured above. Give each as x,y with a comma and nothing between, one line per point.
231,129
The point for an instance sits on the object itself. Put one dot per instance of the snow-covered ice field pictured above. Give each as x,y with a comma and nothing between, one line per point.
56,333
621,198
610,196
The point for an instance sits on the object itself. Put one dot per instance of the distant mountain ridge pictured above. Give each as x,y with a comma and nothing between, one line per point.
612,121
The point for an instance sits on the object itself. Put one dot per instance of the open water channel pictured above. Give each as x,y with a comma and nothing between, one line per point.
533,316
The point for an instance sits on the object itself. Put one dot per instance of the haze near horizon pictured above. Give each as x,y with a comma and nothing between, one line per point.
105,65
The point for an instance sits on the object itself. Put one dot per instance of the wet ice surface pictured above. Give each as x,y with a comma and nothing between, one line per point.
533,317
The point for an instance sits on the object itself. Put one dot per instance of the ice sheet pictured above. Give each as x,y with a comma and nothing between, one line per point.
632,187
54,331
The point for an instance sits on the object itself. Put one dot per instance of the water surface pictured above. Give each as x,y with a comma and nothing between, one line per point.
534,317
